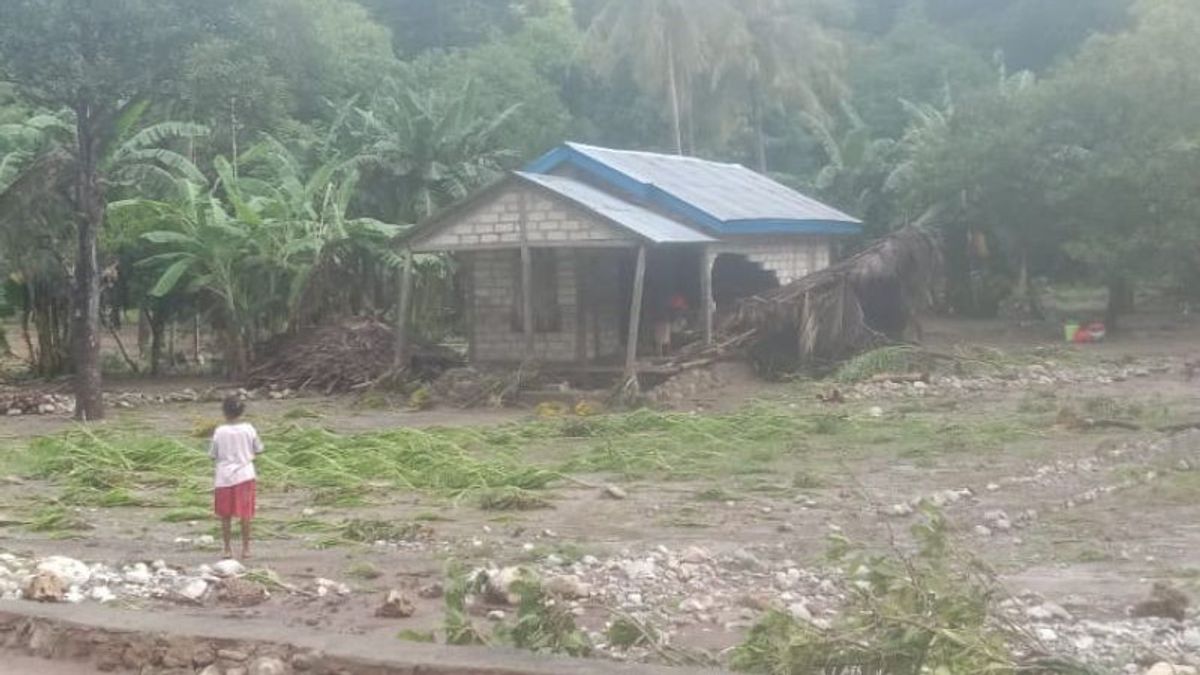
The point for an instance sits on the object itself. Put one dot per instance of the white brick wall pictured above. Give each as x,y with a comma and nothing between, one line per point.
790,258
497,221
495,283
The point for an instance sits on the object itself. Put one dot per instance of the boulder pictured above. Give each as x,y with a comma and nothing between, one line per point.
396,605
45,586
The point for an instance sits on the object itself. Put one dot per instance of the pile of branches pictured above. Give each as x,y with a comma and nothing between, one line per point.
347,356
863,302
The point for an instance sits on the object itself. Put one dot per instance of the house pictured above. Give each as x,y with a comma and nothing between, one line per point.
595,258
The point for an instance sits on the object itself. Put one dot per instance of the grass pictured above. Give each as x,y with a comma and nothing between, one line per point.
57,520
187,514
363,570
369,531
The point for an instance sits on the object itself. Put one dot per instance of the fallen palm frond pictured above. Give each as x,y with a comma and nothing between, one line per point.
866,301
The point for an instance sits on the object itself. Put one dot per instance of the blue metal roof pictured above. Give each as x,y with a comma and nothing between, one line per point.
728,199
643,222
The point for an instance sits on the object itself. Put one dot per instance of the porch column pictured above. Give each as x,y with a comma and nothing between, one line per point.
400,357
635,314
707,305
582,300
526,277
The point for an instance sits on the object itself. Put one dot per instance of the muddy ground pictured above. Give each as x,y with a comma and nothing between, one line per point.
1094,513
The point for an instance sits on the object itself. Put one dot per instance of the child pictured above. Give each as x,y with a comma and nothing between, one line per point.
234,445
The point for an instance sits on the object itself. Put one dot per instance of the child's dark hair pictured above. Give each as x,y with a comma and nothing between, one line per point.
233,407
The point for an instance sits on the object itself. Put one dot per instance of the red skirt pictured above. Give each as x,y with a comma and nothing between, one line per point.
235,501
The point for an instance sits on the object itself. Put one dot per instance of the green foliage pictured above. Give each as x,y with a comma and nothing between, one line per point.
929,611
542,625
892,360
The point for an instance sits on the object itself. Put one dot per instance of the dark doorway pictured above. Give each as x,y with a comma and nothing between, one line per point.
735,277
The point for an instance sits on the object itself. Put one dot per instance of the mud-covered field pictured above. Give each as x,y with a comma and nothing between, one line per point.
1073,471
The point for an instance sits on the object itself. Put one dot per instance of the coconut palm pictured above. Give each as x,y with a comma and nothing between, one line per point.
667,44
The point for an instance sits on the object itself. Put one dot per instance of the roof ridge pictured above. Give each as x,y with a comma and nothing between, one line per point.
664,155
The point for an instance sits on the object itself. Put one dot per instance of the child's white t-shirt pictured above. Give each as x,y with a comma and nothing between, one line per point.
233,449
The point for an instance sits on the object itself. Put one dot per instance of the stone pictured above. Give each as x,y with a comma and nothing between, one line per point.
138,575
45,586
901,510
232,655
800,612
229,568
210,669
744,559
192,589
70,570
327,586
396,605
304,661
696,604
496,615
1164,668
432,591
695,555
1166,602
567,586
983,531
1085,643
1049,611
498,586
615,492
1191,638
102,594
241,592
1046,634
267,665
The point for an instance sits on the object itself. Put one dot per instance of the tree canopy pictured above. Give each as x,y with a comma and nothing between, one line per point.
1047,139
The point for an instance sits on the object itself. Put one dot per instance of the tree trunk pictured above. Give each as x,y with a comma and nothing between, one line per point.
673,84
157,328
760,136
85,310
1120,302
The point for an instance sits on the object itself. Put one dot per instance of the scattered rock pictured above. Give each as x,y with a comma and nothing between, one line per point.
567,586
267,665
396,605
498,584
983,531
432,591
327,586
45,586
1165,601
210,670
232,655
615,492
72,572
138,575
229,568
241,592
744,559
192,589
997,521
800,612
1046,634
1049,611
901,510
1164,668
496,615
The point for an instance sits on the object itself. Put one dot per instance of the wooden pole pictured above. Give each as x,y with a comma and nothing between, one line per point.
707,305
635,314
527,324
582,300
402,312
527,298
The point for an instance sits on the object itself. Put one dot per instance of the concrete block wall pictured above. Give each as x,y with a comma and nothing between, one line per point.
790,258
495,338
497,222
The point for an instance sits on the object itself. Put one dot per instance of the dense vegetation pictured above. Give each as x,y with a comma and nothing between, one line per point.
245,164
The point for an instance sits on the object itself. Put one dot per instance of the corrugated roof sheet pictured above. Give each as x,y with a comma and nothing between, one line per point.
641,221
728,198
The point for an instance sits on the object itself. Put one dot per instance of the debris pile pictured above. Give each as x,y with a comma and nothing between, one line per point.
343,357
473,387
35,403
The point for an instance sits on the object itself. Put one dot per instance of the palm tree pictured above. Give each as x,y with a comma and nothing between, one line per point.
779,57
263,247
420,152
76,175
667,44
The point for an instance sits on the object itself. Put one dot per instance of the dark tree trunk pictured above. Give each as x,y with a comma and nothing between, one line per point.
85,306
1120,302
157,327
760,136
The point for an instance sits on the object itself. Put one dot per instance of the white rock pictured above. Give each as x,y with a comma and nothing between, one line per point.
1046,634
590,560
799,611
992,487
327,586
1049,611
74,595
1191,638
267,665
568,586
102,594
70,570
901,510
1085,643
1164,668
496,615
695,555
192,589
982,531
229,568
138,575
639,569
875,411
746,560
204,540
